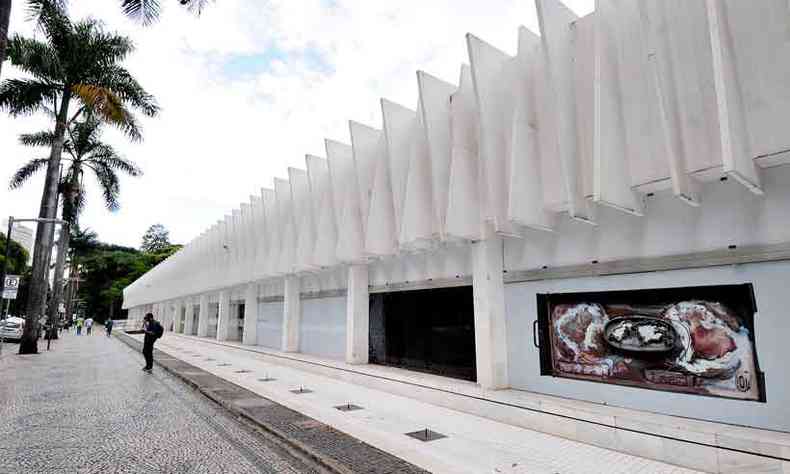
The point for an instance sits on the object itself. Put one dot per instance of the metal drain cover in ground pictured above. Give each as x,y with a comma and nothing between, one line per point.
348,407
426,435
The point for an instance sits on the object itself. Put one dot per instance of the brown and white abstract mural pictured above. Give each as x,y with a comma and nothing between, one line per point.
697,340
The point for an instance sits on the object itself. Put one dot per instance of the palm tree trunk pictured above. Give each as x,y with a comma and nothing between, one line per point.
53,311
42,250
5,17
71,288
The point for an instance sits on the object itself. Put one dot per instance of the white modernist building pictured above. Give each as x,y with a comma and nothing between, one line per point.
642,148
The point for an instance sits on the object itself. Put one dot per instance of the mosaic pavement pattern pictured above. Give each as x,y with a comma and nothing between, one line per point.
87,407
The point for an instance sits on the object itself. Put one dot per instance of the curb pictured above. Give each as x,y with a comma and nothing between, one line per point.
295,447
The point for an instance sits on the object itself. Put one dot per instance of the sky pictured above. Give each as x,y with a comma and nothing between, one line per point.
250,87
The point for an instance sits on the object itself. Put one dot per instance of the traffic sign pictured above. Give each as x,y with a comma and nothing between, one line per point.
11,281
10,287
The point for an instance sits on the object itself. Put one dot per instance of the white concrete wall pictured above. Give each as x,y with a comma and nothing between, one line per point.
323,327
270,324
772,334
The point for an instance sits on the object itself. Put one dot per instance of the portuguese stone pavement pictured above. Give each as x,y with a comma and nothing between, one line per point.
86,407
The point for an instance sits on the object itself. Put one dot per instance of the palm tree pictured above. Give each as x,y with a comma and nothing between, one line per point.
84,152
146,11
82,242
79,64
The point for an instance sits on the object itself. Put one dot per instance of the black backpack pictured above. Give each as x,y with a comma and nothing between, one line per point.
159,331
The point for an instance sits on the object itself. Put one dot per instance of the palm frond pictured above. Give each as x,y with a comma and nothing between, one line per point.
144,11
35,7
109,184
35,57
107,156
26,172
53,20
195,6
42,138
126,87
25,96
107,105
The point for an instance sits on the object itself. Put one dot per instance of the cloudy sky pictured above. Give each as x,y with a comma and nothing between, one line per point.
252,86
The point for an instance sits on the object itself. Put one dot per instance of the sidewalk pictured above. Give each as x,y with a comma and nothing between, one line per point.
470,444
86,407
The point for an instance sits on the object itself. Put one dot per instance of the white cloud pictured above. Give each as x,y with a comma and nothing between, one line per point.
300,70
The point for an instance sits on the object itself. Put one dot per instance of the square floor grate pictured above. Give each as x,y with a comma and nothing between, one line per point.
426,435
301,390
348,407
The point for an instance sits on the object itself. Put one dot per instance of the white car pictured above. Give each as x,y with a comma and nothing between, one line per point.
12,328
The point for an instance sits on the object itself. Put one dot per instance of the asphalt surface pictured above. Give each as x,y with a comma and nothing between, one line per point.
86,406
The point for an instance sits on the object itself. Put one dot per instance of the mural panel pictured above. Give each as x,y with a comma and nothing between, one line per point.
697,340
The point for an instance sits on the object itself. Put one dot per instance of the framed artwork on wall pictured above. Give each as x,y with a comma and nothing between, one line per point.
698,340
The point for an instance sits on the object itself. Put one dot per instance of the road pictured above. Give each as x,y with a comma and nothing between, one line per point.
86,406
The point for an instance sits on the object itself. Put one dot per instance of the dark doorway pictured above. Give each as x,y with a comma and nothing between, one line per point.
425,330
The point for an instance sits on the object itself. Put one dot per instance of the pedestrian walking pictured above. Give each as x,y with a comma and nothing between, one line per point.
88,325
153,331
79,324
108,326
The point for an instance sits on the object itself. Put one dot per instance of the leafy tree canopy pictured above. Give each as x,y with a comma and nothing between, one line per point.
18,257
156,239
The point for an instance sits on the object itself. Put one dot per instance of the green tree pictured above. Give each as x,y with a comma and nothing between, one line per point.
17,265
77,63
17,256
156,239
84,152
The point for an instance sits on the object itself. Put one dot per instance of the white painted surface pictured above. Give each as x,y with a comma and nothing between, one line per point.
224,316
491,354
357,322
322,331
270,324
250,331
292,315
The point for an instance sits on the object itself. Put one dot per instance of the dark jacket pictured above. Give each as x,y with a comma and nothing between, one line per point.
153,330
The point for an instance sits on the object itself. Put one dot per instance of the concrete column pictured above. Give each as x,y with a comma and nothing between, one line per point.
174,316
357,315
223,317
292,314
250,335
189,317
202,329
489,308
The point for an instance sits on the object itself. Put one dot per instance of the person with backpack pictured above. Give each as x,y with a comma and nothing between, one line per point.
108,326
153,331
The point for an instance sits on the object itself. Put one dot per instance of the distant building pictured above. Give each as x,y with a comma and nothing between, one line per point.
24,236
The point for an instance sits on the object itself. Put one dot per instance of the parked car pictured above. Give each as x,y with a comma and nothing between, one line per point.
12,328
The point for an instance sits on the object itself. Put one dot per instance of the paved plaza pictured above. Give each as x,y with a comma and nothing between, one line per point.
87,407
472,444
